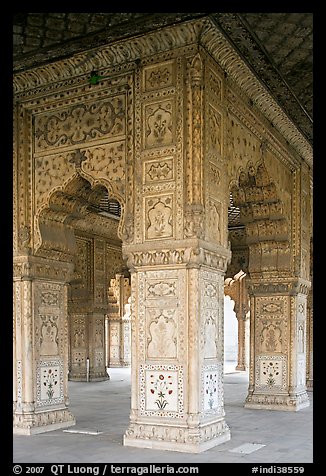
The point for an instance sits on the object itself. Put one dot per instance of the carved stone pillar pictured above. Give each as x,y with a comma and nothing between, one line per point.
177,254
119,328
87,307
310,373
97,368
177,340
126,335
113,335
278,345
40,345
243,344
237,290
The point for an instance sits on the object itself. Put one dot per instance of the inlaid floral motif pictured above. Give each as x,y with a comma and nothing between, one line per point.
161,386
271,370
50,381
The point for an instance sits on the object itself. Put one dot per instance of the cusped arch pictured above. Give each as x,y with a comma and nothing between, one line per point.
78,197
262,212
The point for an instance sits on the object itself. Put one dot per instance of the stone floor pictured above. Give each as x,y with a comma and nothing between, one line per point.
102,408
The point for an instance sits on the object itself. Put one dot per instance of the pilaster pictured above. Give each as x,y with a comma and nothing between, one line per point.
40,345
278,345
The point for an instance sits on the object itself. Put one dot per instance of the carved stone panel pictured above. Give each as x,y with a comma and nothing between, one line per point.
162,330
158,288
81,284
211,336
214,178
273,307
159,119
301,372
49,321
214,89
80,123
215,220
160,319
158,170
271,336
214,131
159,217
107,162
158,76
49,334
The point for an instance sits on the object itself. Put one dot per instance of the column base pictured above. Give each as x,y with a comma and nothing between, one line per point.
177,438
277,402
241,367
97,377
33,423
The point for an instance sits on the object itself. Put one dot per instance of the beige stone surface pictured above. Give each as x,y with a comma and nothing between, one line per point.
168,136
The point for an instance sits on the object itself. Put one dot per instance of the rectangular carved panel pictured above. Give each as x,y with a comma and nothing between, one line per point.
159,124
160,170
159,76
80,123
159,217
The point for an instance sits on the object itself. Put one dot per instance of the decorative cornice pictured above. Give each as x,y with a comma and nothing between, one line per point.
286,286
238,31
231,62
125,51
77,68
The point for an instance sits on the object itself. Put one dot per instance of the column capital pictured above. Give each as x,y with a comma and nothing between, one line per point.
191,253
286,286
34,267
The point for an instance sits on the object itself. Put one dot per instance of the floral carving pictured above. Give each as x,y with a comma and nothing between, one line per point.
162,288
159,125
49,298
80,123
159,171
107,161
49,335
271,338
215,126
159,218
159,78
162,331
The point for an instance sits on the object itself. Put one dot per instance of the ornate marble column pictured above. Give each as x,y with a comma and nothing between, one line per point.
177,339
310,326
40,345
237,290
278,345
177,255
87,306
118,322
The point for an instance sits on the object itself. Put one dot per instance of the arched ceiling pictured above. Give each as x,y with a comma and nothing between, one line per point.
277,46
